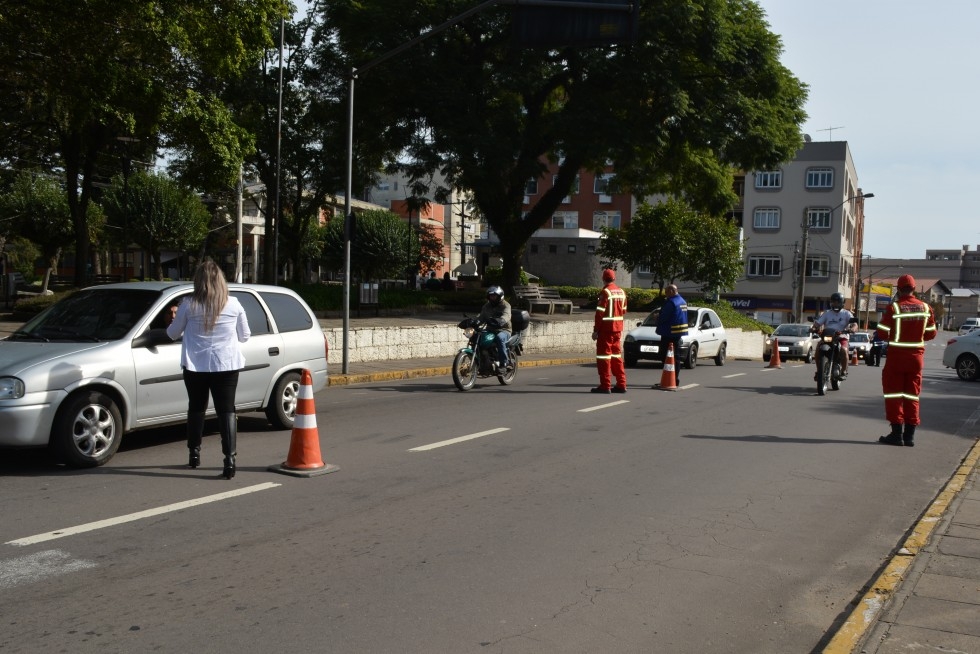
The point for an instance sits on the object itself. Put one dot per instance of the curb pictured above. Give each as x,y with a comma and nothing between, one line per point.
439,371
857,627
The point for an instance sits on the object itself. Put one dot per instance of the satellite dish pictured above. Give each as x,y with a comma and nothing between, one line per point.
806,138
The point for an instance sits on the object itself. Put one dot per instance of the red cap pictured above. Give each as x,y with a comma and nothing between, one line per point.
906,281
608,275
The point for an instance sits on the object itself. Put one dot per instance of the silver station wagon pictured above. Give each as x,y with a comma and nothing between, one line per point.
98,364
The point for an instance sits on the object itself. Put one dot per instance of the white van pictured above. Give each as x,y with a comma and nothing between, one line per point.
968,326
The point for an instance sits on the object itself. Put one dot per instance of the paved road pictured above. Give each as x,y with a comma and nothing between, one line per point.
741,514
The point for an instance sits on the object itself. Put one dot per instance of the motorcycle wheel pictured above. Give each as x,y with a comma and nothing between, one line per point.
508,377
464,371
835,377
822,378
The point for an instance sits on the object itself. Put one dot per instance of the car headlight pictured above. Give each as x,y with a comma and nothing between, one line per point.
629,339
11,388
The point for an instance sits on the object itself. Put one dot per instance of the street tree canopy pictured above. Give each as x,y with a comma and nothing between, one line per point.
699,94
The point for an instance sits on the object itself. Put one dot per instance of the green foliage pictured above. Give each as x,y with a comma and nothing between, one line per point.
677,243
39,211
494,276
700,94
158,214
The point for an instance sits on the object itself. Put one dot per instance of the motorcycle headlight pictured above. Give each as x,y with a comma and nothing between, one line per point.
468,332
828,339
11,388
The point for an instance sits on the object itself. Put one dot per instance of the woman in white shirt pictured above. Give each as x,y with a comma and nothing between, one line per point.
214,325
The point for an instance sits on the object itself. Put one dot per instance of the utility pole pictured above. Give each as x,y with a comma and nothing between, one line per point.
801,280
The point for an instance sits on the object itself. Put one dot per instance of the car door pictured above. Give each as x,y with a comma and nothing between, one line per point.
264,353
160,394
709,333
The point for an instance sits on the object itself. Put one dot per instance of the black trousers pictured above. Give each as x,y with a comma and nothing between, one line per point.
219,385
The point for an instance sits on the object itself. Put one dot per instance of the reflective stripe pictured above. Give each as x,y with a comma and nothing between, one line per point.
619,318
898,344
901,396
677,329
603,356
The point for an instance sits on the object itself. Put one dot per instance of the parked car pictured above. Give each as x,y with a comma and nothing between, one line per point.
705,338
969,325
794,342
859,342
962,353
98,364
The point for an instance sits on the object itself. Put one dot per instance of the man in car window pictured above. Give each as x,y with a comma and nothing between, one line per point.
672,327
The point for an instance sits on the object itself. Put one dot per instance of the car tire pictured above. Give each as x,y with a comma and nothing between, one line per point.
720,357
967,367
692,357
630,362
809,356
87,429
281,410
766,357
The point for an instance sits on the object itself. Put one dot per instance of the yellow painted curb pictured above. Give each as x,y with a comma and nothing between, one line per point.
865,614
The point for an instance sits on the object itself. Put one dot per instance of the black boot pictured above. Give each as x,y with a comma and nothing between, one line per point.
894,438
909,436
228,425
195,429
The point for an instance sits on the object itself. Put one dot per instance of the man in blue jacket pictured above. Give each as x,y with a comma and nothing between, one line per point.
672,326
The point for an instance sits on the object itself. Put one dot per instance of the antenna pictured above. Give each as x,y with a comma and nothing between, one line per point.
830,137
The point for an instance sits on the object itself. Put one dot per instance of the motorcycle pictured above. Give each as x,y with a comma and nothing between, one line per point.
829,368
478,359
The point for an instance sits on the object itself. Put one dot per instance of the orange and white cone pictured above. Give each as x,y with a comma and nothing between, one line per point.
774,361
304,458
668,380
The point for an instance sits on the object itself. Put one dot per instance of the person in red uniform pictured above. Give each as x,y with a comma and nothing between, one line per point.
607,334
906,326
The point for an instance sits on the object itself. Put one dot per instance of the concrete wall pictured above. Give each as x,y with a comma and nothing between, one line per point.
572,336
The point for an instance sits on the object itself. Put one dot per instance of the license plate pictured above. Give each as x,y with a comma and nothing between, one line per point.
784,349
649,348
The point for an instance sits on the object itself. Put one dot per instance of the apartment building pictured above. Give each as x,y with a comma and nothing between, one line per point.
803,225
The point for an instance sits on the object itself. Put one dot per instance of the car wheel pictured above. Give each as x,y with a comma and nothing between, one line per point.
766,357
87,430
809,356
967,367
281,410
720,357
630,362
692,357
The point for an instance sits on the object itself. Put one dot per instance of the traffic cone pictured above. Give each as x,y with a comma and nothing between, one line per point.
304,458
854,357
774,361
668,380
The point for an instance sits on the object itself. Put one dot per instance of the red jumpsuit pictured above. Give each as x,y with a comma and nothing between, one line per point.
609,314
906,326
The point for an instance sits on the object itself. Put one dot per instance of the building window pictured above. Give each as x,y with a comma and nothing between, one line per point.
591,250
765,265
610,219
552,249
766,218
819,218
531,188
769,179
564,220
383,186
820,178
818,267
603,184
571,249
571,192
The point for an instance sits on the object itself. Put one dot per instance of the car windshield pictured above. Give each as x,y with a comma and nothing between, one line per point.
90,315
792,330
859,338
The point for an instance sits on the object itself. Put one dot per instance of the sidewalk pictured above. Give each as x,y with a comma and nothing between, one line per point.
927,596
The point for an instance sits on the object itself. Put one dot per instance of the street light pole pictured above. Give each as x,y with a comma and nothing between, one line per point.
801,285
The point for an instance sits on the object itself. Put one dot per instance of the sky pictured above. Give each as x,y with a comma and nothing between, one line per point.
899,80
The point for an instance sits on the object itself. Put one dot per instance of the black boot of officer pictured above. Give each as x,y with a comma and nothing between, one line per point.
894,438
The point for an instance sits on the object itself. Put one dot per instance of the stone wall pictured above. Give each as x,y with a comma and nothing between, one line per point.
569,336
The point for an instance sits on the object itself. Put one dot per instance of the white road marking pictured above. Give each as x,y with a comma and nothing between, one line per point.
38,566
603,406
738,374
111,522
453,441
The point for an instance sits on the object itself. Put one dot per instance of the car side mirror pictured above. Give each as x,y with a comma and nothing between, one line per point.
152,338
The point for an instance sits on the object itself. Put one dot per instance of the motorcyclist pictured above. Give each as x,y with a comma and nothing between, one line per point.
833,320
496,314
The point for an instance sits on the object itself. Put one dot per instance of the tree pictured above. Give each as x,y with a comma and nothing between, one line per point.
156,213
74,77
656,237
38,208
700,93
715,255
384,245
